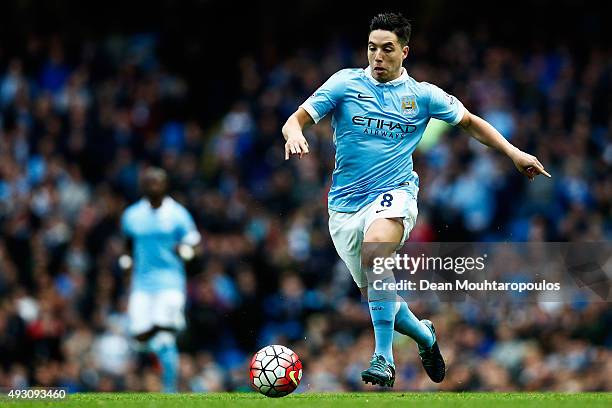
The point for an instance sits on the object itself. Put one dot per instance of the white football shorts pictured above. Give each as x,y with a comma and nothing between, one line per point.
348,229
163,308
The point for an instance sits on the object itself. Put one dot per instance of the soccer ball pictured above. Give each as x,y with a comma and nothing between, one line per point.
275,371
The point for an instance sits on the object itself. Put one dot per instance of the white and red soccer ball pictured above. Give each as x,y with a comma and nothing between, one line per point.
275,371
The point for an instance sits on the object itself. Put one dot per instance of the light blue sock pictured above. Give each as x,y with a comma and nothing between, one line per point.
382,320
407,324
164,346
382,311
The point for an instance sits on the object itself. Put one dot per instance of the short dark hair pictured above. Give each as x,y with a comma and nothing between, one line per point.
394,22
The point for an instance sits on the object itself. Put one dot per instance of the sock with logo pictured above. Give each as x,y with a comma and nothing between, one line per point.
382,311
164,346
407,324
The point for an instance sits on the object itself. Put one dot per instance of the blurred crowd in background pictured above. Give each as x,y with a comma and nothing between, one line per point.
75,134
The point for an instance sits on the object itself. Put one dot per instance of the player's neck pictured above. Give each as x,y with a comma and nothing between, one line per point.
396,75
156,202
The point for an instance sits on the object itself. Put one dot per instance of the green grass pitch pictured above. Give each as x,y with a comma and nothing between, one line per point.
335,400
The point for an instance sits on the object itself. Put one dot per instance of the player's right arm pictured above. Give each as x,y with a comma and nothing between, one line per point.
125,259
292,131
320,103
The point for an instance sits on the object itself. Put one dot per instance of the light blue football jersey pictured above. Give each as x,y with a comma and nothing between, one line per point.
156,234
377,127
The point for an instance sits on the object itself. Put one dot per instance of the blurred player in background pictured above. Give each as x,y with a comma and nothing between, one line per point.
379,115
160,232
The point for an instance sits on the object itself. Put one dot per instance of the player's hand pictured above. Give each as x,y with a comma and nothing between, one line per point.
296,145
125,262
528,165
186,252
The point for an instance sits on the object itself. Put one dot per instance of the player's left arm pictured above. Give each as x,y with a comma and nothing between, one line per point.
189,237
486,134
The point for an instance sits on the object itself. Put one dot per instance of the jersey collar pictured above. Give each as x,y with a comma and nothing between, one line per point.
397,81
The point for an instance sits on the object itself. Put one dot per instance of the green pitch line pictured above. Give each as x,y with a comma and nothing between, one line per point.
335,400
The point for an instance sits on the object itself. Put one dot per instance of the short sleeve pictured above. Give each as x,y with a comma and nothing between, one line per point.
444,106
125,224
187,230
325,99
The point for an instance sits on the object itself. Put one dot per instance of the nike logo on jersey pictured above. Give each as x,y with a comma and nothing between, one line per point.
361,96
384,209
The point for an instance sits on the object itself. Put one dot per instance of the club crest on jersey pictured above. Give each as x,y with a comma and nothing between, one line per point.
409,106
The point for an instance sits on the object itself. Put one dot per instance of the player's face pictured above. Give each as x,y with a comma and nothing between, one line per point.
154,187
385,55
